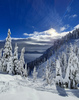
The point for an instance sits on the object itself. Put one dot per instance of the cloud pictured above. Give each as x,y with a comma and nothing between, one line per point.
42,38
46,35
64,28
51,31
73,16
70,16
77,26
26,34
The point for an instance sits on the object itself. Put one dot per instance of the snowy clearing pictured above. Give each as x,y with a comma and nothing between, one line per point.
18,88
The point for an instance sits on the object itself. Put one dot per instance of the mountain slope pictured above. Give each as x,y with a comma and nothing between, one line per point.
59,45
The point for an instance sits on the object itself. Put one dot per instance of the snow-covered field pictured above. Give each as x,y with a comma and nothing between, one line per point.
18,88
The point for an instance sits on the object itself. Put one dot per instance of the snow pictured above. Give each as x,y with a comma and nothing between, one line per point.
18,88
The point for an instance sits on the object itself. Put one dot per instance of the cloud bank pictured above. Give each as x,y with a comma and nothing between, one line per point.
46,37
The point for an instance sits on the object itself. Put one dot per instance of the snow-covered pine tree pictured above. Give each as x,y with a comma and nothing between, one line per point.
25,72
72,69
78,53
52,68
67,52
34,74
63,64
1,60
1,52
7,55
8,47
21,62
75,49
15,60
47,74
58,73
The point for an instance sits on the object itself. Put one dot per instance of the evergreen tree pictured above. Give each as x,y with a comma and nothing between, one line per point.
78,53
75,49
48,73
21,62
63,64
58,72
9,63
34,74
25,72
1,60
7,55
8,47
15,60
72,69
58,68
1,52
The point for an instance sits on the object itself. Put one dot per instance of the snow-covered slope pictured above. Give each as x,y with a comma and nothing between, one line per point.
18,88
41,67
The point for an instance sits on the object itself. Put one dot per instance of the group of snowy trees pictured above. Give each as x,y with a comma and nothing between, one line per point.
9,61
64,69
67,68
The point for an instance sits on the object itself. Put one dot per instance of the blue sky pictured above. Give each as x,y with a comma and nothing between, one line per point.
28,18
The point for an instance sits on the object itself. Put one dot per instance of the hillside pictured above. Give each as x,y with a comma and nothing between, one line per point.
58,45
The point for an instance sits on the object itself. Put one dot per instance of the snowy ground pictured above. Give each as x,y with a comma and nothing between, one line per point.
18,88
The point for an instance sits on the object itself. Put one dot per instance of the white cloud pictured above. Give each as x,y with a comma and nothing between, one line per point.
64,28
26,34
73,16
77,26
46,36
70,16
50,32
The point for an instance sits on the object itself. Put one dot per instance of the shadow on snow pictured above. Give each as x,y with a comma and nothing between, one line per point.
75,92
61,91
